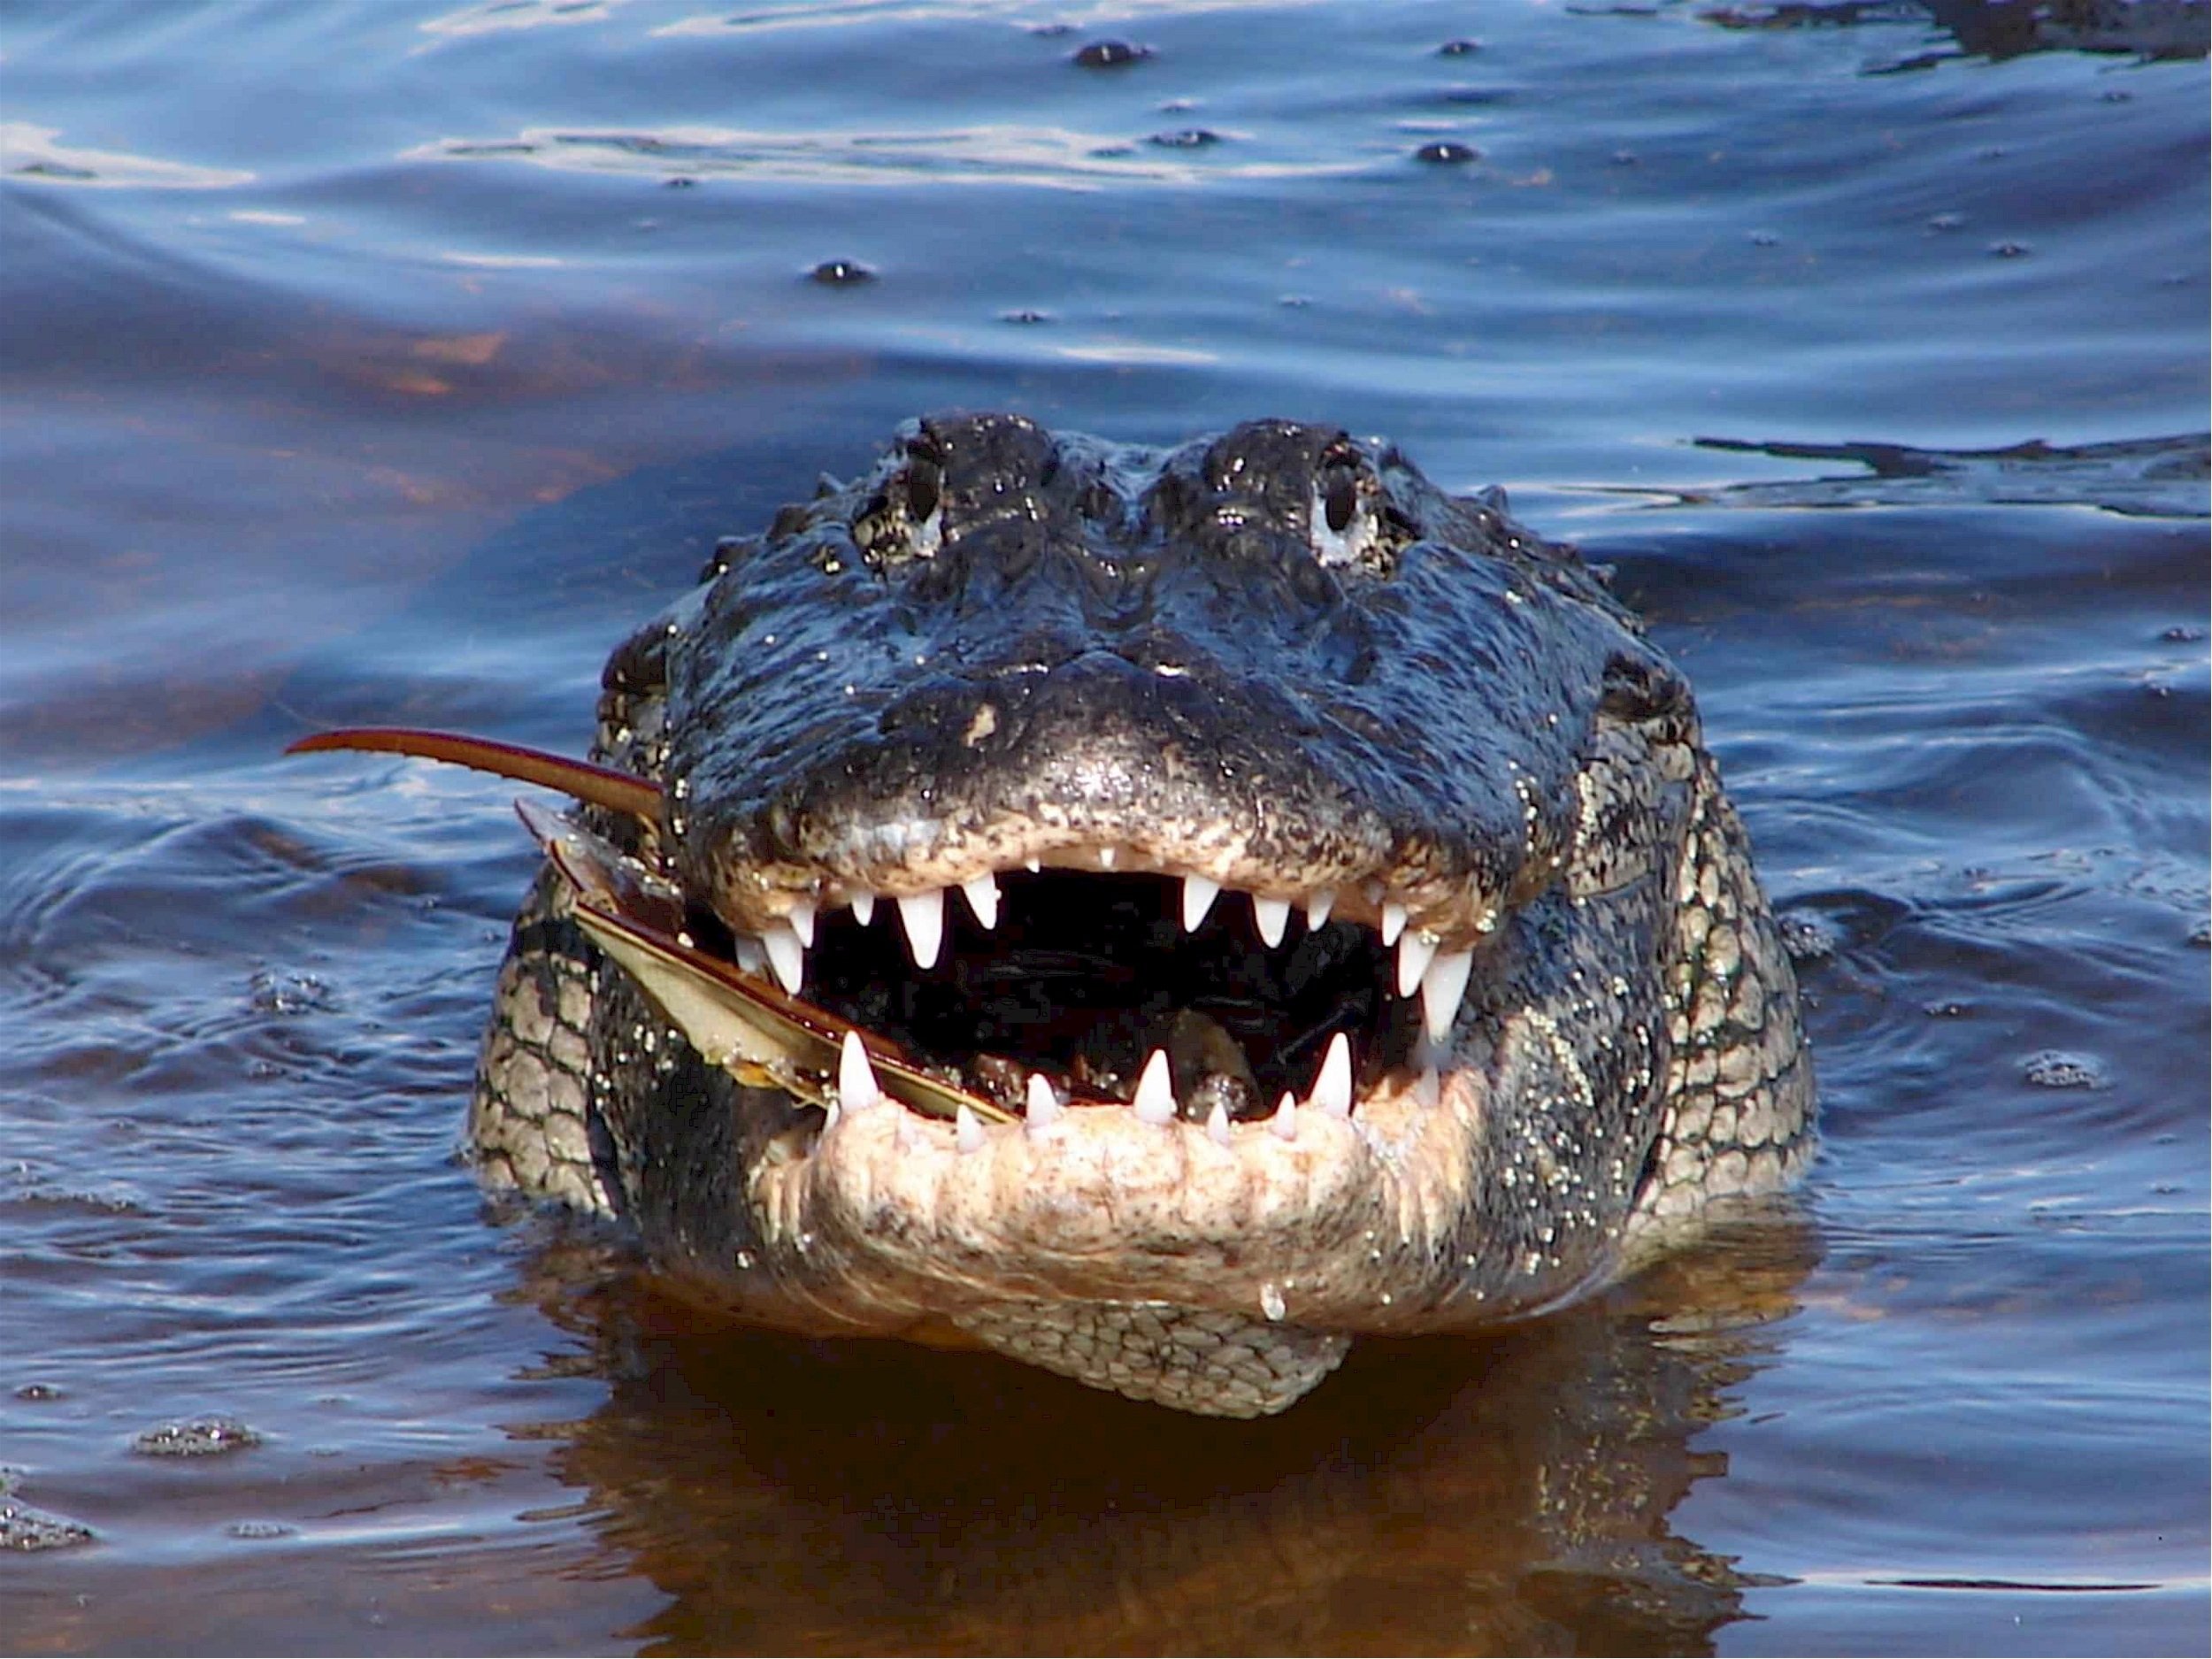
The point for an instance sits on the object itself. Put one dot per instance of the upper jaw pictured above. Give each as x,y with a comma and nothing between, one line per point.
1431,929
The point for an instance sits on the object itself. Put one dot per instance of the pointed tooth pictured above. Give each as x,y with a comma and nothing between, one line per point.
1333,1088
1283,1123
857,1086
1155,1094
967,1134
864,906
1416,950
1271,917
800,919
1217,1124
1198,897
1442,988
1044,1105
983,898
1428,1088
831,1113
785,955
1106,856
1394,921
924,914
1319,903
752,955
1032,864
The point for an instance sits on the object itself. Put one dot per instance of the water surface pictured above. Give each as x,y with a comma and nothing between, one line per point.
386,363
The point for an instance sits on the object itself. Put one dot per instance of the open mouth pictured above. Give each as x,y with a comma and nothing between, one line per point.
1078,982
1162,992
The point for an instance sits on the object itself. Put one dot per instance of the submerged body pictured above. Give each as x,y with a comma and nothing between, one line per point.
1353,935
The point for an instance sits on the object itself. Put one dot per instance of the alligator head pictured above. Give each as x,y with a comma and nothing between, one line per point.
1158,914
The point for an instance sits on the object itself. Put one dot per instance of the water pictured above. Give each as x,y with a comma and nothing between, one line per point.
375,362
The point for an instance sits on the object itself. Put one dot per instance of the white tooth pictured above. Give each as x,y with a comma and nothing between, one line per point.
1415,951
1271,917
1032,864
1441,988
802,921
1394,921
857,1086
1044,1105
750,957
1285,1122
1333,1088
1155,1094
983,898
924,914
1106,858
785,955
1217,1124
1319,903
864,906
831,1113
1198,897
1428,1088
967,1134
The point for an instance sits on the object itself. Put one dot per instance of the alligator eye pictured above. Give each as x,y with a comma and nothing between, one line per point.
1341,497
1353,519
1342,535
925,480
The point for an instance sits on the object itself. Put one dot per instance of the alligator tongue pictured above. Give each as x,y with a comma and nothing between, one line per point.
1210,1067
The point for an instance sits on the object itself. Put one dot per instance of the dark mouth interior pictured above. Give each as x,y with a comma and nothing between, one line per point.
1086,975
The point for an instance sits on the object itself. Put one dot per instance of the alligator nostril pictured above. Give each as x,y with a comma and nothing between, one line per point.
1099,503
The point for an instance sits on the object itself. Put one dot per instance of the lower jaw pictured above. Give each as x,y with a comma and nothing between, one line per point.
889,1220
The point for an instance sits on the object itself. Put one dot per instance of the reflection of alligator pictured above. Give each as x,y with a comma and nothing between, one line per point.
1511,1492
1495,1007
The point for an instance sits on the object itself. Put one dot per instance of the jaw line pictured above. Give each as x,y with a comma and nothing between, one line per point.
887,1219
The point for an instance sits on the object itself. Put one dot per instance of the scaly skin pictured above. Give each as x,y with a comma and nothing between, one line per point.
1627,1056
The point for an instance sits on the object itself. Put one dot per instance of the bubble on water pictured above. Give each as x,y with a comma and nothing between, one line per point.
259,1529
1109,55
2053,1068
201,1437
288,991
1808,938
26,1529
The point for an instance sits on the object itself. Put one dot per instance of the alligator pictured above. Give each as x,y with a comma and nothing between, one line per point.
1157,914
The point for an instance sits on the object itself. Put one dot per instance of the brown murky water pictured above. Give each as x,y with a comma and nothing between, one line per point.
376,363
